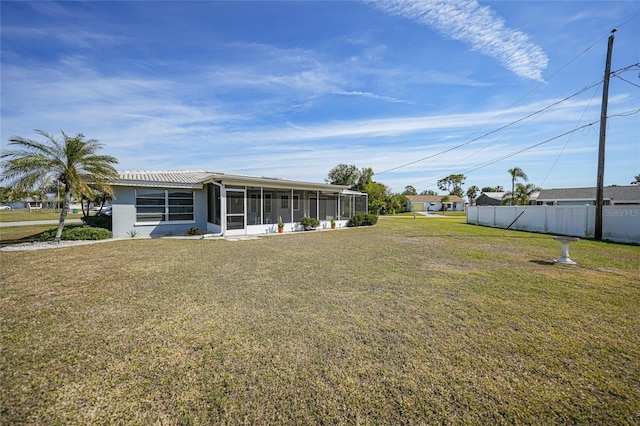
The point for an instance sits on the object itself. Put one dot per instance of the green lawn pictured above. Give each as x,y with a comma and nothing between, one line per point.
408,322
23,215
22,234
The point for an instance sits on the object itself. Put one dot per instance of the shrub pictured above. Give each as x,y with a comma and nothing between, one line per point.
75,233
362,219
100,221
309,222
193,231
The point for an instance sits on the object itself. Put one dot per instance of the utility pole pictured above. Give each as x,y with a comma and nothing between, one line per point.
603,136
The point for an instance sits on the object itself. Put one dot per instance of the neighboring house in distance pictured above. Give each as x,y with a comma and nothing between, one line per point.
431,203
496,198
159,203
490,199
48,201
613,195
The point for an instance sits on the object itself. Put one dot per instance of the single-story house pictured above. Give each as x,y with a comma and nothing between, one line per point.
47,201
159,203
612,195
490,199
426,203
496,199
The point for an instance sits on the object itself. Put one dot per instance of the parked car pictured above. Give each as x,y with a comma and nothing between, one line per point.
5,207
106,211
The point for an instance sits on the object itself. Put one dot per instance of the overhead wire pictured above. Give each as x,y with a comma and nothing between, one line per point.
520,151
494,130
625,114
548,107
570,134
523,97
503,112
613,74
528,116
568,139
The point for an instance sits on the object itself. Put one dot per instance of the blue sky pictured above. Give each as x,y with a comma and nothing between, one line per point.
415,90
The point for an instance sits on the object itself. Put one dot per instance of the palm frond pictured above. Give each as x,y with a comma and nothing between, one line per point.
72,160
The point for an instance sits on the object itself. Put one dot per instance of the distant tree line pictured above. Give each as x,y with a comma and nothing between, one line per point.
383,201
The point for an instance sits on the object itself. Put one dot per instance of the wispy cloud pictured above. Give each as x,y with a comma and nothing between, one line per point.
478,26
66,36
373,96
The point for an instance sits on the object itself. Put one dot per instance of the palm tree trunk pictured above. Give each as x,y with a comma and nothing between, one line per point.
82,207
64,211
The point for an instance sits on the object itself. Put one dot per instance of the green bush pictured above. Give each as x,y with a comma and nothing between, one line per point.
101,221
193,231
362,219
75,233
309,222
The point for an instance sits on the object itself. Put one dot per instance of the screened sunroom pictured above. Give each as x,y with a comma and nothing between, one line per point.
163,203
256,209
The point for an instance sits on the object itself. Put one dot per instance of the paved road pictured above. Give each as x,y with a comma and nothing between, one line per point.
37,222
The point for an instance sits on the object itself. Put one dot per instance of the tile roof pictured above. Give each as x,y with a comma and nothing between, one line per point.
196,179
167,176
163,178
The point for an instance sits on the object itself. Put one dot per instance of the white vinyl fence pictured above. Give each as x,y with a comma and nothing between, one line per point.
619,223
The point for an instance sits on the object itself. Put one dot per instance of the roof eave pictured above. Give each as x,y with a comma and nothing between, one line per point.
275,183
157,184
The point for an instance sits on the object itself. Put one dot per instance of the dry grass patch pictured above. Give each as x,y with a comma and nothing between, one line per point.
425,321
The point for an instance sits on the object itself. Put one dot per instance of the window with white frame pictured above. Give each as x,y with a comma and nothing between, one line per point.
164,205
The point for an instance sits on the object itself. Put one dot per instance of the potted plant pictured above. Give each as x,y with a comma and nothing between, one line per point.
309,223
280,224
333,223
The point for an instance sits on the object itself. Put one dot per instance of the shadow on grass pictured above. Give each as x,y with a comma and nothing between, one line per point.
537,236
543,262
21,240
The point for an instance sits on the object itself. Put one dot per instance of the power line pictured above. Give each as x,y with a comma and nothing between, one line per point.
512,105
520,151
492,131
586,108
625,114
624,79
614,73
540,111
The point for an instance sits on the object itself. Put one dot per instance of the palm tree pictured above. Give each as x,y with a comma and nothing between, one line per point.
636,181
521,194
73,162
516,173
